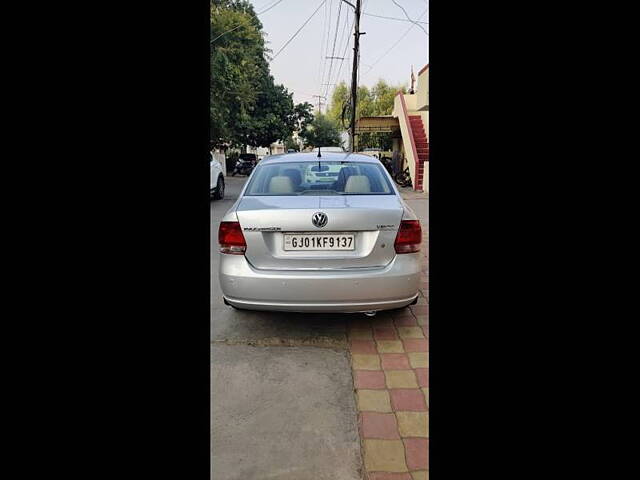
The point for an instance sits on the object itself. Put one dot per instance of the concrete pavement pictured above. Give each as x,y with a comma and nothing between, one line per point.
283,413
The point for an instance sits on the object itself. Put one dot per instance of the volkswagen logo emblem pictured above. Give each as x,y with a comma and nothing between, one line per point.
319,219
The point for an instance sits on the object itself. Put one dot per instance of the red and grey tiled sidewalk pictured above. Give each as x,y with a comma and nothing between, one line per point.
390,362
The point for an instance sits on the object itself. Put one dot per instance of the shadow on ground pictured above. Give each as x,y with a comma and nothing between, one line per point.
327,330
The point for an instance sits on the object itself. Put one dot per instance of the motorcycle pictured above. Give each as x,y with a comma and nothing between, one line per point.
243,167
403,178
388,164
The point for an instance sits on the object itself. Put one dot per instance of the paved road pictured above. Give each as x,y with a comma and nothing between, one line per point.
282,408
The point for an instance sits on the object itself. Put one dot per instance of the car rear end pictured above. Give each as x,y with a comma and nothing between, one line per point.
351,246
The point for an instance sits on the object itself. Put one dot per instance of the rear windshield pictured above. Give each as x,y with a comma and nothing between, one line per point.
325,178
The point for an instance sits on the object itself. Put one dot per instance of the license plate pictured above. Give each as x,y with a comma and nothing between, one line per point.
319,241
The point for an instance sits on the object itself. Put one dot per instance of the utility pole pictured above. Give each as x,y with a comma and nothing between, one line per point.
354,75
319,102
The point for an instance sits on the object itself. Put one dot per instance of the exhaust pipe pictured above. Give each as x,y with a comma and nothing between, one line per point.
370,313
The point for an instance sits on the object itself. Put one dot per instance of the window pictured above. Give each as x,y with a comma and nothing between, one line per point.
319,178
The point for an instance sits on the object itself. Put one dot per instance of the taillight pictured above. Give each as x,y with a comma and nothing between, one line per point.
409,237
231,239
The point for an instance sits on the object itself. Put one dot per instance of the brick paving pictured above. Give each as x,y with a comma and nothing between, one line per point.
390,362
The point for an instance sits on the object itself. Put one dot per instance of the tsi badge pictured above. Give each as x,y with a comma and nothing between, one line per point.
386,227
319,219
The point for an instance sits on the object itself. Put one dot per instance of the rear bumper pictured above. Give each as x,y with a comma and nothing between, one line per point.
355,290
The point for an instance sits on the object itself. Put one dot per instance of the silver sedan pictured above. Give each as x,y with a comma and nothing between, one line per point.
320,234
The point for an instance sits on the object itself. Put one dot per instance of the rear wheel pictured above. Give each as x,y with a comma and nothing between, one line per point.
219,195
403,179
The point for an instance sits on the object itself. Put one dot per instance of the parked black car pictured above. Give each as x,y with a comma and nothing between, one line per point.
245,164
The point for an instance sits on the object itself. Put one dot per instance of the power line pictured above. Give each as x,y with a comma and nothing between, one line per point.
326,41
393,18
393,46
326,32
239,25
320,102
269,8
346,45
333,50
298,31
228,31
408,18
344,38
322,60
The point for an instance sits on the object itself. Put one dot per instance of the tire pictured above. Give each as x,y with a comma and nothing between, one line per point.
219,195
403,179
406,180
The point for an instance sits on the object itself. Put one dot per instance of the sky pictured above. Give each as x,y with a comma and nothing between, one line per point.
301,66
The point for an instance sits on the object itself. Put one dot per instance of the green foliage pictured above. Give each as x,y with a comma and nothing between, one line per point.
322,132
381,141
303,114
382,96
236,61
246,106
371,103
291,144
339,98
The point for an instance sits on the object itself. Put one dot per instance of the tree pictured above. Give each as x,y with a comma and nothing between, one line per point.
291,144
372,102
272,116
322,132
339,99
383,95
303,114
247,107
237,60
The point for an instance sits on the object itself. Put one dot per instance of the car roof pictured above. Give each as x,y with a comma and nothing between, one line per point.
313,157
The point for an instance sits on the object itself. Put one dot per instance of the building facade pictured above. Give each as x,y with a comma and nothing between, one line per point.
412,112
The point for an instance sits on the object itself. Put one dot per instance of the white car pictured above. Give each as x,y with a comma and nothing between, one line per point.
325,173
322,173
216,185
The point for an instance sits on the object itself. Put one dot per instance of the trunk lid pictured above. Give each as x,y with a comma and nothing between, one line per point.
372,219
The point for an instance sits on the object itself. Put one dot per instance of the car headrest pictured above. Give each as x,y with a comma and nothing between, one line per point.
281,184
358,184
295,176
342,177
